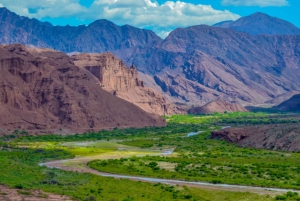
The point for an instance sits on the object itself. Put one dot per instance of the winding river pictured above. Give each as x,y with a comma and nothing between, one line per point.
79,165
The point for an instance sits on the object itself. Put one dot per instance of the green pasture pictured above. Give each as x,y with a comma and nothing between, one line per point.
135,152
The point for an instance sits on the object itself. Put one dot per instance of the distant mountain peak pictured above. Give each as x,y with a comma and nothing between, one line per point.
102,22
261,23
260,14
5,9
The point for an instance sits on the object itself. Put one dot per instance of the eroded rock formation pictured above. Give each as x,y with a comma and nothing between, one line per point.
276,137
112,73
123,82
44,90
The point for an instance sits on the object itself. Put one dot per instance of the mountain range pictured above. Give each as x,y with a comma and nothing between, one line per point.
250,61
99,36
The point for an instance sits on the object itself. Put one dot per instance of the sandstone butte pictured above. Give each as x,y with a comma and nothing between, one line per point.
41,90
116,78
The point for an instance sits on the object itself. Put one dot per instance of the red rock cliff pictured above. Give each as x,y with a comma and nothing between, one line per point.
111,72
44,90
123,82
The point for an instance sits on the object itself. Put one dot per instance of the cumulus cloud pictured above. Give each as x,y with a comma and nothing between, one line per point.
261,3
44,8
162,18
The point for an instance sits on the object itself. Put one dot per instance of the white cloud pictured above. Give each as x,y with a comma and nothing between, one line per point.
162,18
120,3
44,8
261,3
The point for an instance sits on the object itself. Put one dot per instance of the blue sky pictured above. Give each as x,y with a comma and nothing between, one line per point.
160,16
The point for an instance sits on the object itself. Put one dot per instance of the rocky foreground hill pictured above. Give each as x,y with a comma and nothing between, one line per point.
193,65
276,137
43,90
290,105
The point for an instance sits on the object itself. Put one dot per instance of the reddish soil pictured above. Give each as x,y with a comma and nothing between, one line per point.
8,194
276,137
116,78
44,90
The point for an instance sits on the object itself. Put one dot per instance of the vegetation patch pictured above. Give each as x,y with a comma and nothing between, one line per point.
197,158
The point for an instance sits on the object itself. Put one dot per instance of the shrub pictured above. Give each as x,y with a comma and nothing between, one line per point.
152,164
90,198
280,197
127,199
215,181
19,186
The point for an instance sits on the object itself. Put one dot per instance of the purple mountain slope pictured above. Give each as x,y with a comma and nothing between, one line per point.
99,36
260,23
193,65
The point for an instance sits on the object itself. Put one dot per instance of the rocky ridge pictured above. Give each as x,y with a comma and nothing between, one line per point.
275,137
219,106
112,73
290,105
99,36
43,91
124,82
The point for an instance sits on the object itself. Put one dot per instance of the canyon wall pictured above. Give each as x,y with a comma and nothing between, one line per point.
123,82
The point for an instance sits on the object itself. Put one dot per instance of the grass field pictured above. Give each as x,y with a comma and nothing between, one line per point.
203,159
19,169
196,158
